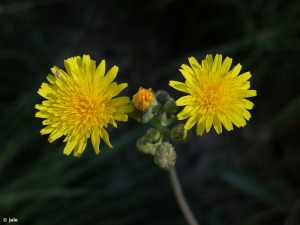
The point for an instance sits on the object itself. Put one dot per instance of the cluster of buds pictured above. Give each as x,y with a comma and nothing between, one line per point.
163,152
149,142
158,109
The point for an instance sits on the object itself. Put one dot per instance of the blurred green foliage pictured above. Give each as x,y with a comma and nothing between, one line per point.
249,176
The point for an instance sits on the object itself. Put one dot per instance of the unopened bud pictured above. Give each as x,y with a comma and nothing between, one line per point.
170,106
153,136
162,96
165,156
142,117
179,134
145,147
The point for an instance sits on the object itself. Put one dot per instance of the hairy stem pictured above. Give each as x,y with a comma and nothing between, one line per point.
190,218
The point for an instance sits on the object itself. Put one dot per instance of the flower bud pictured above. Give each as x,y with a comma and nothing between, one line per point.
142,99
145,147
153,136
162,96
165,156
142,117
170,106
143,102
179,134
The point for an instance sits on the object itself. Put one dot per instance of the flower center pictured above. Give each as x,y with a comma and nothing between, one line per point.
90,111
86,107
214,97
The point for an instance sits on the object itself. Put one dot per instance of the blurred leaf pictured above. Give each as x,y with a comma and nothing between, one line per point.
214,219
286,118
247,183
25,5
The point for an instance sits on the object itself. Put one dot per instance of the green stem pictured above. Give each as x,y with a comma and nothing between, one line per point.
185,209
163,118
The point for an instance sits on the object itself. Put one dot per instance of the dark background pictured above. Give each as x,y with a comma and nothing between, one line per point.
249,176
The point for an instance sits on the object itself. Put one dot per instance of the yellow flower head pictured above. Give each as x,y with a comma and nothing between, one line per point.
215,94
142,99
80,103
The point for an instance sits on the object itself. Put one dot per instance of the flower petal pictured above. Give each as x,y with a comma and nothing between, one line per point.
208,124
111,75
185,100
105,137
100,71
179,86
200,127
55,135
96,140
71,143
217,63
217,124
226,65
194,63
191,122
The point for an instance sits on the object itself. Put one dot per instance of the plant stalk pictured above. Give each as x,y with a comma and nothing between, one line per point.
185,209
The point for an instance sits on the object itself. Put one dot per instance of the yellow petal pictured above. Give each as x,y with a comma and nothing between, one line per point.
236,119
200,127
124,109
217,124
246,104
179,86
100,71
188,69
71,143
96,141
104,135
226,65
209,121
244,77
194,63
119,101
111,75
113,91
217,62
185,100
191,122
185,113
187,74
51,79
71,65
47,130
55,135
250,93
226,121
235,71
80,147
120,117
45,90
208,60
246,115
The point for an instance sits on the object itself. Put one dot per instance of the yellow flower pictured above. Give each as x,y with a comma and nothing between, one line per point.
215,94
80,104
142,99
